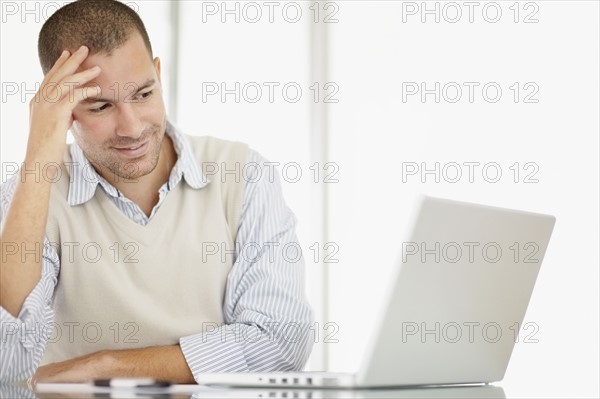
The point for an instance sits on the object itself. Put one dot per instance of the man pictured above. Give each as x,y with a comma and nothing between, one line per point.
156,260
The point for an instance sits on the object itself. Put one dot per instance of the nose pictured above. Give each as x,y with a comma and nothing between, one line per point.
129,124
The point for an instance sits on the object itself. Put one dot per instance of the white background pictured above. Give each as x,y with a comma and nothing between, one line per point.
375,47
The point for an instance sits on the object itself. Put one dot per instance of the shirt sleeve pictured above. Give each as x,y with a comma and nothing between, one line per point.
24,338
266,313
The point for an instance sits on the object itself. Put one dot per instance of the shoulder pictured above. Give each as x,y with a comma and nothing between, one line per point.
213,149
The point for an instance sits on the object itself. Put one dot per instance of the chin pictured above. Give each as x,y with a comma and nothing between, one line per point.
132,170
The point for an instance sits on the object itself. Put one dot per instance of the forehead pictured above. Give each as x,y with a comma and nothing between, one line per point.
129,63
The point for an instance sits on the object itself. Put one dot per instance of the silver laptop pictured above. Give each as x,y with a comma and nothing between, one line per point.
455,304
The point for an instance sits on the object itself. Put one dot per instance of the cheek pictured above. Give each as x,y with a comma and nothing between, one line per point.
91,131
87,123
157,104
81,123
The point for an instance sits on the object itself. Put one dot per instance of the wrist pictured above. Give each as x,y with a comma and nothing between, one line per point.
104,364
39,168
46,151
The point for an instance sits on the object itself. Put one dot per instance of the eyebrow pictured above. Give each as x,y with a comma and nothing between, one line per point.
146,84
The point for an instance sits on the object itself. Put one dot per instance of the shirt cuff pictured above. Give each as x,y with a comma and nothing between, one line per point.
216,351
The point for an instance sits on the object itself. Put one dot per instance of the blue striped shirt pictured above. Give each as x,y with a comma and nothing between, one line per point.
266,314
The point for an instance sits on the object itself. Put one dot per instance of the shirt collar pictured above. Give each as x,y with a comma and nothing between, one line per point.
85,179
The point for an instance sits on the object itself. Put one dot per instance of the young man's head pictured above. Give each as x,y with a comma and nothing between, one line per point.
130,111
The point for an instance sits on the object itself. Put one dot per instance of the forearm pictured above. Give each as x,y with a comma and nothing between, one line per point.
22,237
263,344
160,362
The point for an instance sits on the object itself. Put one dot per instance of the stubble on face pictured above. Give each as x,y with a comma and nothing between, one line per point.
106,159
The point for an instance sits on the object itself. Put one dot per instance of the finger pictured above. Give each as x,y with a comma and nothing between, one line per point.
83,77
73,81
71,64
59,62
80,94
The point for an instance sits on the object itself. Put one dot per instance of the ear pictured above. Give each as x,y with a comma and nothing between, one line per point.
74,129
157,67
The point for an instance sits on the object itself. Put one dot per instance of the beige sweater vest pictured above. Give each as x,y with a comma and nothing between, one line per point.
122,285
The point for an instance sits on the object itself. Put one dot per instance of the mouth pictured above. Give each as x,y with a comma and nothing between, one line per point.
133,151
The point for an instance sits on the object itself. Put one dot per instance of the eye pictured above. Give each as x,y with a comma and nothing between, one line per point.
146,95
99,109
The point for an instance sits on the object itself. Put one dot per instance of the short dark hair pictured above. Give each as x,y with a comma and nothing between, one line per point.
101,25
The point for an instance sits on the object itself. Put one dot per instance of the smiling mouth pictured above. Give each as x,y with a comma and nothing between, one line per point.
130,148
134,151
